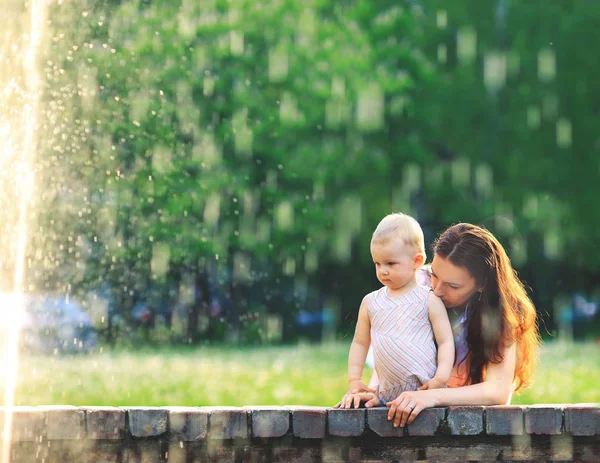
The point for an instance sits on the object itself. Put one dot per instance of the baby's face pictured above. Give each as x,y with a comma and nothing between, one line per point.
395,263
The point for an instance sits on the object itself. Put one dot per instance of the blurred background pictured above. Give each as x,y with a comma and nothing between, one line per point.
204,178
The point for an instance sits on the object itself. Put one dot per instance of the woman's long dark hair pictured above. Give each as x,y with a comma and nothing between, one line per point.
502,313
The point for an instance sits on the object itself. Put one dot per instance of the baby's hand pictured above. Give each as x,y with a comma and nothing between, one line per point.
357,386
357,393
434,383
369,399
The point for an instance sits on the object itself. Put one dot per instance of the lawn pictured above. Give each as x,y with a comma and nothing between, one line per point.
304,374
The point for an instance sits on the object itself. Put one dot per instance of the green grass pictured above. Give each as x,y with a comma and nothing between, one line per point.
304,374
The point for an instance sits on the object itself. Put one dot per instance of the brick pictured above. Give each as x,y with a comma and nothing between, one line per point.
102,451
378,422
220,453
588,452
294,455
28,423
177,453
561,447
187,424
66,450
332,452
427,423
196,452
355,454
387,451
309,422
64,422
147,421
465,420
269,421
27,452
346,422
255,454
543,419
227,423
504,420
148,451
105,422
582,419
445,451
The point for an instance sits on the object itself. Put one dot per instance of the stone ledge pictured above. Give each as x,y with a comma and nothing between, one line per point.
189,424
106,422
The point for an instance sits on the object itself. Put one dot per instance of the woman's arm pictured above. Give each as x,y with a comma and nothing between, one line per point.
496,389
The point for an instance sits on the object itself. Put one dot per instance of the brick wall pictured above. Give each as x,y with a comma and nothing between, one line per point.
177,434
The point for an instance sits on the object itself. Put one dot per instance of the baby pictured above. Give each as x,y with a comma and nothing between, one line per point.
402,322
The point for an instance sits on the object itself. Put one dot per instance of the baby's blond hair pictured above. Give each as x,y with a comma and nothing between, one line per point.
402,226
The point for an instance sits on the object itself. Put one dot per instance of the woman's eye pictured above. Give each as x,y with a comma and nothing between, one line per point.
453,287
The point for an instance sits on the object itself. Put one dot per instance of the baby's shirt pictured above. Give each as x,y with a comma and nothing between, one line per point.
402,339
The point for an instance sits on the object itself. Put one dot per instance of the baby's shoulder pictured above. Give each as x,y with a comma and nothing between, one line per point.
375,293
372,297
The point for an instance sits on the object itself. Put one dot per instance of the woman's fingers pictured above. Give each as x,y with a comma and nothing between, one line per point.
356,400
396,406
414,413
406,412
399,413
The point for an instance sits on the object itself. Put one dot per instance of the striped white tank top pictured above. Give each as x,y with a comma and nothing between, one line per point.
402,340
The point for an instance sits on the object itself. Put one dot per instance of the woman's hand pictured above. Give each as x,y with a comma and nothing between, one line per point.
370,399
404,409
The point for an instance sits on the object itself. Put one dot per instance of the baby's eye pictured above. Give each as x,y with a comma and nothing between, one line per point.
391,263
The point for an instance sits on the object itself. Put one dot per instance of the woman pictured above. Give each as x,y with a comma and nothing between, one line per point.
495,330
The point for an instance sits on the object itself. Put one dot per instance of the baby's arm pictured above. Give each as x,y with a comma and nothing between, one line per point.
359,349
442,330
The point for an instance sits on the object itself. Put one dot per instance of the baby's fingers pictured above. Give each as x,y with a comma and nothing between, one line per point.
372,403
424,387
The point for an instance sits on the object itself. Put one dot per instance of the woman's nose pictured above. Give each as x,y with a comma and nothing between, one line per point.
438,291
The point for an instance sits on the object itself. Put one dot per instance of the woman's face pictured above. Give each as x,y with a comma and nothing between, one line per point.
452,284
